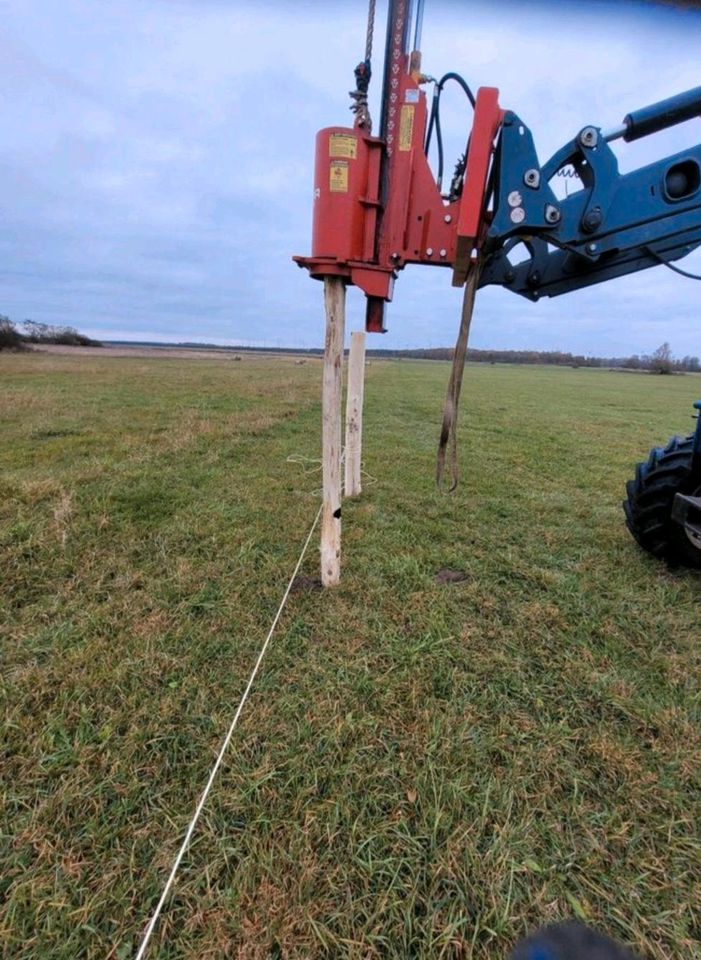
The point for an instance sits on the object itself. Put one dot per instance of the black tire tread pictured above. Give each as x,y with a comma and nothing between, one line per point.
649,500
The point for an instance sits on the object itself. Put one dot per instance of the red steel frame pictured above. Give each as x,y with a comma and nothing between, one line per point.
365,240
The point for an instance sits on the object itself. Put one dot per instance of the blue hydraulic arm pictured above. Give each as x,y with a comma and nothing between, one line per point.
615,225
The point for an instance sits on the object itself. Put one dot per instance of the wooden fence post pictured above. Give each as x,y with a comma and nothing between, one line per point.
354,414
335,303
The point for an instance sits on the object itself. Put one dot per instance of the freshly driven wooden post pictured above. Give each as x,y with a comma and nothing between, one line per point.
335,302
354,414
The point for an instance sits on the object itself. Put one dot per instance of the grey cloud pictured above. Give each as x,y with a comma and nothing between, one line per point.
156,163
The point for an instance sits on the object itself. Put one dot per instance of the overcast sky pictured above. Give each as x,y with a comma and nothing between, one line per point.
156,162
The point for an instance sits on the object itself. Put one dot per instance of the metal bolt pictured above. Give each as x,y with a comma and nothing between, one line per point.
589,137
592,220
591,248
552,214
444,253
514,199
448,218
394,256
429,252
518,215
532,178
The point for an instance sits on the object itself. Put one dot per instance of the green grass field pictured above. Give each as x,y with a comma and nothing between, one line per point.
423,770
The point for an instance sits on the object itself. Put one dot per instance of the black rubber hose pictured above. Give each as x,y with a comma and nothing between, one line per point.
459,80
434,122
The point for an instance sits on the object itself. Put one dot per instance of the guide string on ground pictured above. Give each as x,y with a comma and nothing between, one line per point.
222,751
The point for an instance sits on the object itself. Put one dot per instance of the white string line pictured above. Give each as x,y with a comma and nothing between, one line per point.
311,465
205,793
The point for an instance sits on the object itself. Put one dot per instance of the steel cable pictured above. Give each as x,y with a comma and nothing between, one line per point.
370,31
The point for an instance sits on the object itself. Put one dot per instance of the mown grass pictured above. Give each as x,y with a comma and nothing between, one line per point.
423,770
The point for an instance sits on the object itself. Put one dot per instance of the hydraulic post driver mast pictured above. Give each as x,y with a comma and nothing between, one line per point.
378,206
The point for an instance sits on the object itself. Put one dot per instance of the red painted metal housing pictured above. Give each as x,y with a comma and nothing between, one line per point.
346,195
377,206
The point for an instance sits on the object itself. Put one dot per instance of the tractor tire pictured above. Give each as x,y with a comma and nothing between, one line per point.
648,507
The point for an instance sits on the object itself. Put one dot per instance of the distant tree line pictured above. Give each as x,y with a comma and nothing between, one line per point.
30,331
661,361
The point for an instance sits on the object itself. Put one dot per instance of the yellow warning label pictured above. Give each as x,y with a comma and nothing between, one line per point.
406,126
338,176
341,145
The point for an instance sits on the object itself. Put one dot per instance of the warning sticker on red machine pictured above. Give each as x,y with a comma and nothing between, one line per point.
343,145
406,126
338,176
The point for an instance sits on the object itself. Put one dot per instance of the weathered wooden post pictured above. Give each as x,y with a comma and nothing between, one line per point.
354,414
335,302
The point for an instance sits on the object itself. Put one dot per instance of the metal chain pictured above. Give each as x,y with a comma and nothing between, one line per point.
371,30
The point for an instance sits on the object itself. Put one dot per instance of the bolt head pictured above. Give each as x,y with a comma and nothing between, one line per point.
443,253
589,137
514,199
448,218
429,252
592,220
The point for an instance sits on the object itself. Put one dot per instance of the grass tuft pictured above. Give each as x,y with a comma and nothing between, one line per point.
492,722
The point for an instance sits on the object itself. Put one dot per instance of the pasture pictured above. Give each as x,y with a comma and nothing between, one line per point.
424,769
